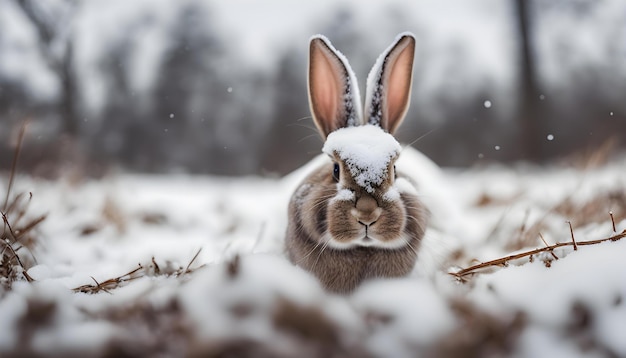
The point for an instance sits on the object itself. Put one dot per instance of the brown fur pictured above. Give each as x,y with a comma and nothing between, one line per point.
311,214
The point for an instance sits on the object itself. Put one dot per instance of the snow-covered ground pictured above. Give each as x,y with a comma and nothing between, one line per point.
241,296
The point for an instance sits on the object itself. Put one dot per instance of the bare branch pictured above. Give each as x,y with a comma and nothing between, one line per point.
504,260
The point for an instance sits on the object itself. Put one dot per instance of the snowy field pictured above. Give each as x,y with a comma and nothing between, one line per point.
139,265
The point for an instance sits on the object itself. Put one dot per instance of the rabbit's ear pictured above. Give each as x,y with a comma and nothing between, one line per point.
333,91
389,85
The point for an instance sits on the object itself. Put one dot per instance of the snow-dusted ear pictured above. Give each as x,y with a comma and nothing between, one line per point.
333,91
389,84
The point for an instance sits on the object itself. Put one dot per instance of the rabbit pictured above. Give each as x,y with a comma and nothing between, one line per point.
353,217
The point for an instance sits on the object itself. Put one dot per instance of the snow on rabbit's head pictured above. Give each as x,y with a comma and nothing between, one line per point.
357,201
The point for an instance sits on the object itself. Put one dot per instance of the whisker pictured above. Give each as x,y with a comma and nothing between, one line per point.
323,201
420,138
318,205
309,127
408,243
321,251
413,218
310,252
307,137
303,118
312,128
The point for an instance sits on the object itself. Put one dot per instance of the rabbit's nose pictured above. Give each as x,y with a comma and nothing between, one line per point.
367,211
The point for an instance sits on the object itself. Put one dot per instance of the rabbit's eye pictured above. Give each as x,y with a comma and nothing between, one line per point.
395,173
336,172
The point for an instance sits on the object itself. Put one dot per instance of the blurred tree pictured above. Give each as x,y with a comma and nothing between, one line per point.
580,52
118,135
292,138
530,116
183,70
190,100
52,23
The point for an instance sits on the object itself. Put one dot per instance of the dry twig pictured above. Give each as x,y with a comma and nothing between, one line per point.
571,230
16,155
110,283
14,235
612,221
546,243
16,257
138,272
191,262
503,261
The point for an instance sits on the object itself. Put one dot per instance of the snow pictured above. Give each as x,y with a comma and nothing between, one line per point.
343,195
168,219
366,150
393,194
394,332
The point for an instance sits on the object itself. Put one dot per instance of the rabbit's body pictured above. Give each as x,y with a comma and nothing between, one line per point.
354,217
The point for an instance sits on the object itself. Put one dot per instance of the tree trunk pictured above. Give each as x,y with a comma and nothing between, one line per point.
529,115
68,110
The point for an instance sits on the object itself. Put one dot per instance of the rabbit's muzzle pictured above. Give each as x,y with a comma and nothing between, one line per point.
366,211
